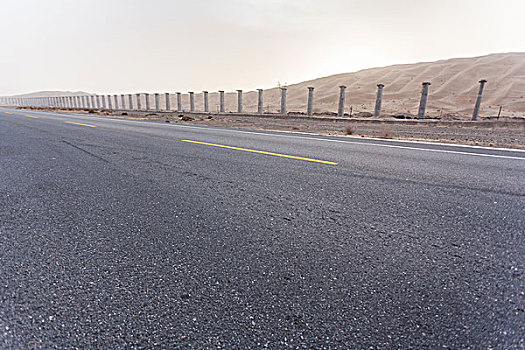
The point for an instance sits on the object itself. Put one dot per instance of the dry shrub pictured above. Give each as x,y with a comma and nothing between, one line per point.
350,130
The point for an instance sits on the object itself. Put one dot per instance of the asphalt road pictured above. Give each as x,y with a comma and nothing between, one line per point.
119,234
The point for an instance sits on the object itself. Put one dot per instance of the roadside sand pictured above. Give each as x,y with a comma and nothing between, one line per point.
506,132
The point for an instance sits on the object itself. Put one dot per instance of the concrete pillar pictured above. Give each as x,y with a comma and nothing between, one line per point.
103,98
283,100
475,114
179,102
93,105
341,109
423,102
122,102
260,101
146,96
130,102
310,108
167,98
157,102
110,105
379,99
205,97
221,101
115,99
239,101
139,105
192,101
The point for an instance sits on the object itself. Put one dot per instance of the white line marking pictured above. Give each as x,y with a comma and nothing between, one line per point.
370,143
343,141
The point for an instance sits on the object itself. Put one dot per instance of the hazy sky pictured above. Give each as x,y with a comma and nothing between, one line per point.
117,46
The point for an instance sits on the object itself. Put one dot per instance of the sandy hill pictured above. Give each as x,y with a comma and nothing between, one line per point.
53,94
453,90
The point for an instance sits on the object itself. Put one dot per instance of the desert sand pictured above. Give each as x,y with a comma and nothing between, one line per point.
452,93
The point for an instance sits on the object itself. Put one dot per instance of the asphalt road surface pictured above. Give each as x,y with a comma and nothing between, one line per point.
128,234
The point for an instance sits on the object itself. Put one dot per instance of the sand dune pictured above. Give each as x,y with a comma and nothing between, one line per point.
453,90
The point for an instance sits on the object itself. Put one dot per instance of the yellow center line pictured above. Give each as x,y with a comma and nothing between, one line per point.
91,126
261,152
8,112
31,116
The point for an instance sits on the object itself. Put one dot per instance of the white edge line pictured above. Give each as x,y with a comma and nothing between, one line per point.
370,143
354,142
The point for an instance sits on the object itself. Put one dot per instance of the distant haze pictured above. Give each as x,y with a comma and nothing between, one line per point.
161,45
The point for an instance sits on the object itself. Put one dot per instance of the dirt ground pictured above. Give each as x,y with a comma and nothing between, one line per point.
506,133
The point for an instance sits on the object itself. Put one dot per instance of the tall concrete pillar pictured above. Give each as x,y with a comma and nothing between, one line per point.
93,105
130,102
103,98
157,101
192,101
239,101
110,105
310,108
115,99
475,114
147,101
139,105
179,102
122,101
205,97
423,102
341,109
221,101
283,100
260,101
379,99
167,98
